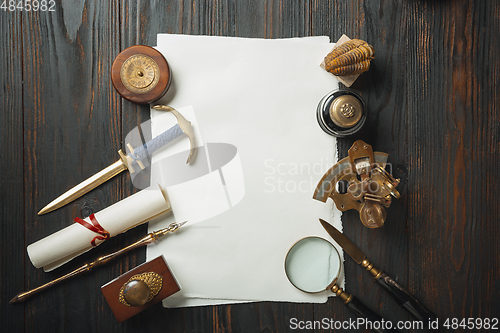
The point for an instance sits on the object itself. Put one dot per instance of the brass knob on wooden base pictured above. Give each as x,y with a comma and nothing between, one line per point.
136,293
140,289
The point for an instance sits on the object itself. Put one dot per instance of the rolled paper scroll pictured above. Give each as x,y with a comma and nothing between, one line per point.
70,242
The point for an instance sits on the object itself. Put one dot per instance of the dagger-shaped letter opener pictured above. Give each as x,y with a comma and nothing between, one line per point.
125,162
148,239
403,297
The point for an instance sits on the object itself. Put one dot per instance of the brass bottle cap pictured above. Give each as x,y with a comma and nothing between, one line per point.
346,111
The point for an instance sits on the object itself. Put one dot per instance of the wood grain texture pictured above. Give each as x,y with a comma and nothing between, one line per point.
11,168
459,136
432,92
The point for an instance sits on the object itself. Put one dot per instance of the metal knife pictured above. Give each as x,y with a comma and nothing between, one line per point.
125,162
402,296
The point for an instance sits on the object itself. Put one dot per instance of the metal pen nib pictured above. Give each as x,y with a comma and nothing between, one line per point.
148,239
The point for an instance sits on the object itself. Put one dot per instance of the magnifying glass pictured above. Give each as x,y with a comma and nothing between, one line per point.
313,265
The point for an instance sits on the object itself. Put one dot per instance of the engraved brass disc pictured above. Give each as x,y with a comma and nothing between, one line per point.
140,73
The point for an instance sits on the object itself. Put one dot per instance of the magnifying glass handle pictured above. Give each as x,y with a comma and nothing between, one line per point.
363,311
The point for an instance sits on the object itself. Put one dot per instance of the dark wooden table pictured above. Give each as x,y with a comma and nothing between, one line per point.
433,95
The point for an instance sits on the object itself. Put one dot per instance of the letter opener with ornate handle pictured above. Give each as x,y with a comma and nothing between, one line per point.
125,162
402,296
148,239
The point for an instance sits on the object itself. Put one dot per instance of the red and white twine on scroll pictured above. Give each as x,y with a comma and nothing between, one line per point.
95,227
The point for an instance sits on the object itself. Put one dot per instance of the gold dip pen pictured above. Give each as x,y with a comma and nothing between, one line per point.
148,239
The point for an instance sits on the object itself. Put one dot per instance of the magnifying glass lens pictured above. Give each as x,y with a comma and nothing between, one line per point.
312,264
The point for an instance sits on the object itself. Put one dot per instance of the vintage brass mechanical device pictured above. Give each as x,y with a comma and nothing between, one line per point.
360,182
141,74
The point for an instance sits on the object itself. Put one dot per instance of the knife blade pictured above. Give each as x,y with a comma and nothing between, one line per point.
402,296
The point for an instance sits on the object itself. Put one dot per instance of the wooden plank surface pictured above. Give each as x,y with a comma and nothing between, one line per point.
11,169
433,100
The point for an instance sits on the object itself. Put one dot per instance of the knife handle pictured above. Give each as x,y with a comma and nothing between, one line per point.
404,298
156,143
361,310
